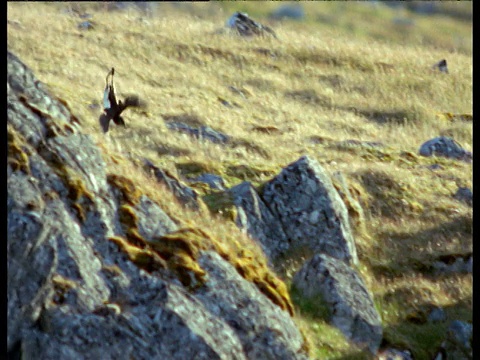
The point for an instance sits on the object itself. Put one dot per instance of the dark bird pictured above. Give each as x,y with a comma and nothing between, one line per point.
441,66
112,109
245,26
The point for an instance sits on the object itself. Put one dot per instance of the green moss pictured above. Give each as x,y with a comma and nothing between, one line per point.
265,280
314,307
17,156
221,203
145,259
127,217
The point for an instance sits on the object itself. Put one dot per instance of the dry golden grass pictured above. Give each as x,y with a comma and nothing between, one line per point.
353,75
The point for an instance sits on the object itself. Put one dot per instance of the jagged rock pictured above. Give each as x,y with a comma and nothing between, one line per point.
312,214
152,220
201,133
343,291
185,194
83,283
446,147
464,194
458,344
255,217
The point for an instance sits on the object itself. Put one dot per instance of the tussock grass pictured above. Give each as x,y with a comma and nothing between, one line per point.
348,72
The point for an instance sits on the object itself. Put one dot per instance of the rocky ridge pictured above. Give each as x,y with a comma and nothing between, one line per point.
96,269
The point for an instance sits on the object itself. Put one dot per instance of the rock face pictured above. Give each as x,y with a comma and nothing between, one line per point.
255,217
310,210
343,291
97,270
297,208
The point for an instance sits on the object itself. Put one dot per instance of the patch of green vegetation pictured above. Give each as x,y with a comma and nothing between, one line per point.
421,340
389,198
313,307
221,203
249,173
192,169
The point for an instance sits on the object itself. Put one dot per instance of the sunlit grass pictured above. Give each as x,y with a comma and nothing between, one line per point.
346,72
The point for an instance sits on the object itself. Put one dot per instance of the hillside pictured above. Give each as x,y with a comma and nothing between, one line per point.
349,86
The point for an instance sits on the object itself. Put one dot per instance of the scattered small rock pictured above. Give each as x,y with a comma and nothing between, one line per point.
453,263
245,26
441,66
446,147
201,133
86,25
464,194
295,12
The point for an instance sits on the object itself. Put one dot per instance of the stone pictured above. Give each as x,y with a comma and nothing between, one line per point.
445,147
255,217
201,133
310,210
243,25
294,12
465,195
342,290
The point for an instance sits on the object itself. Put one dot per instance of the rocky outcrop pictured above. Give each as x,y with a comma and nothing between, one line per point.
97,269
341,289
298,208
255,217
303,199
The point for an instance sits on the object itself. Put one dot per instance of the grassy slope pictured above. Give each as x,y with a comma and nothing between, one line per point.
352,75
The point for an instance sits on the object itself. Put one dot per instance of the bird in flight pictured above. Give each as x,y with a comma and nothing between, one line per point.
111,108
